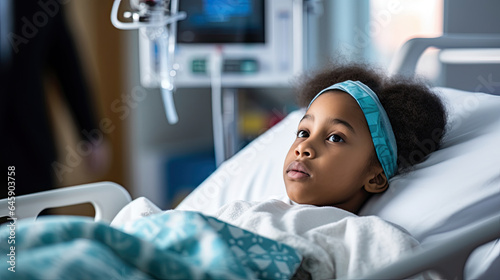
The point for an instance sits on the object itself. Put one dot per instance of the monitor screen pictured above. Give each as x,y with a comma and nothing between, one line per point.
222,21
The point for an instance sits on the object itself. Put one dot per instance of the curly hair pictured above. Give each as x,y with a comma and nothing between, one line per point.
417,115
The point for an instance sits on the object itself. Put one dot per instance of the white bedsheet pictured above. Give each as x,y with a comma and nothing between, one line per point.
335,243
136,209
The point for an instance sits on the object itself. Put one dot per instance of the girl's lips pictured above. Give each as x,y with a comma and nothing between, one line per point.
297,170
292,174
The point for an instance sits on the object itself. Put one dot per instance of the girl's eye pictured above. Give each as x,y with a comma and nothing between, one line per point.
302,134
335,138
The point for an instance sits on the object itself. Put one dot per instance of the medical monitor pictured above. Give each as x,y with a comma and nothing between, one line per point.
222,22
259,42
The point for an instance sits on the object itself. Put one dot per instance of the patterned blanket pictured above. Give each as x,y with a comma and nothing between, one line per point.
170,245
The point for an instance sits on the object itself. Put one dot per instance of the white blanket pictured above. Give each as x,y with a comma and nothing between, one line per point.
335,243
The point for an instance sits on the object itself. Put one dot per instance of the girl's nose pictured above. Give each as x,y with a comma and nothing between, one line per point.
304,149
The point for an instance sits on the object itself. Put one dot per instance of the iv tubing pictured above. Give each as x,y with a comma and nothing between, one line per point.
167,95
217,122
168,102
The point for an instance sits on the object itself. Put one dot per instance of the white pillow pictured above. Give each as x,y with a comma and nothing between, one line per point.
454,179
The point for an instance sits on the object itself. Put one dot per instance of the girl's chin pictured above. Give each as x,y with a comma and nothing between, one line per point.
296,196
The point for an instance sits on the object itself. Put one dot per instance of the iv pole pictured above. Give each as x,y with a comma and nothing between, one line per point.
159,25
158,22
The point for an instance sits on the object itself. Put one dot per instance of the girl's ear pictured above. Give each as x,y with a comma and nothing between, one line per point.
377,183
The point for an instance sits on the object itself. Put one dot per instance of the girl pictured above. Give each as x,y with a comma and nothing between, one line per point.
357,134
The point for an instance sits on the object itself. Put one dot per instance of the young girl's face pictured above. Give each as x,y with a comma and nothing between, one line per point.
330,161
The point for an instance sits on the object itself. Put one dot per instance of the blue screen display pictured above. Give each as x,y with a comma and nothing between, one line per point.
224,10
222,21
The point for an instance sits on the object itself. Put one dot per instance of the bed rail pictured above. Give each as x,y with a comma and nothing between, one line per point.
106,197
405,61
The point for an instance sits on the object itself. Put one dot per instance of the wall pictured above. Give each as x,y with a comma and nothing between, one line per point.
480,16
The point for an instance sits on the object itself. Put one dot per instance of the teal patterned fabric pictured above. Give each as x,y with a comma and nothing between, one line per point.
378,122
170,245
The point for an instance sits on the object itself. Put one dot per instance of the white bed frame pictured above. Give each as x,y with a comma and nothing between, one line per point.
108,198
406,59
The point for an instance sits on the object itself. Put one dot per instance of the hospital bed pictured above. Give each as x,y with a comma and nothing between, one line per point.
450,202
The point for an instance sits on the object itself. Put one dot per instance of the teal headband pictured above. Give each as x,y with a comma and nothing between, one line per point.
378,122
